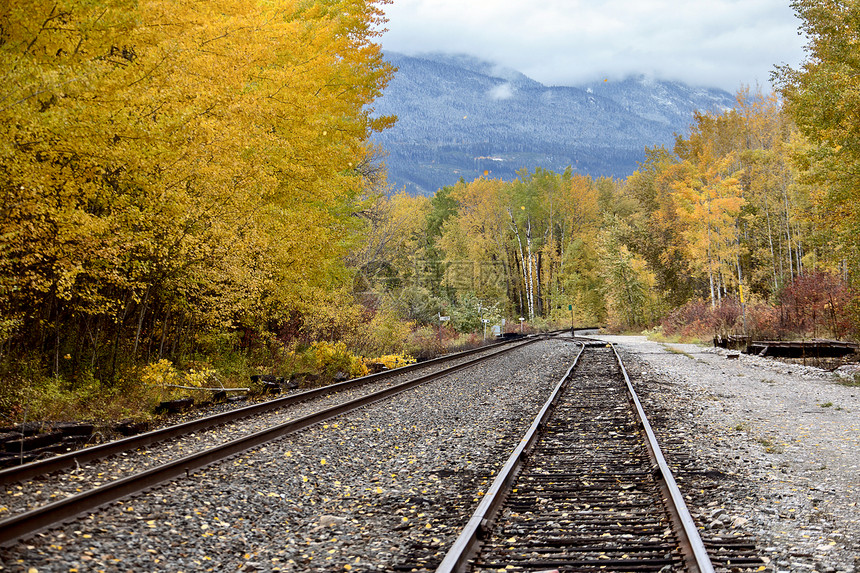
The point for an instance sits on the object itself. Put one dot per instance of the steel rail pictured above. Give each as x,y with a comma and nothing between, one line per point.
75,458
36,520
464,547
692,548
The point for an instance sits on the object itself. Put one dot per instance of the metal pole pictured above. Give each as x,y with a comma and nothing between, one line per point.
439,330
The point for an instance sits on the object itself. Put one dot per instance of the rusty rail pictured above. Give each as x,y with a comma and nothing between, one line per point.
84,455
35,520
690,546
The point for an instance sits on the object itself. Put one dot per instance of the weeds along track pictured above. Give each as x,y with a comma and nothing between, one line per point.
585,491
80,481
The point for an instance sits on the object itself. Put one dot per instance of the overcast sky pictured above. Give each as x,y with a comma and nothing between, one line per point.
714,43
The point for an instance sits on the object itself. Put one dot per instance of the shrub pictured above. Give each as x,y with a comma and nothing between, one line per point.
464,342
329,358
697,319
391,360
384,333
763,322
87,398
815,304
17,379
693,318
428,342
162,378
159,374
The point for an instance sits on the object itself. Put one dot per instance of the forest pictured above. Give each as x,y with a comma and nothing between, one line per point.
454,110
189,197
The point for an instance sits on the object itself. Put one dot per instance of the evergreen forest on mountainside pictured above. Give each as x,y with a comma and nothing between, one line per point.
191,194
458,117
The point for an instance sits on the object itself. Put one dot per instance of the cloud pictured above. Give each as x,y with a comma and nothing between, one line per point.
722,43
501,91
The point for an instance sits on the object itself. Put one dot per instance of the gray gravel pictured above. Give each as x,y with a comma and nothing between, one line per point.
37,492
783,440
391,485
386,487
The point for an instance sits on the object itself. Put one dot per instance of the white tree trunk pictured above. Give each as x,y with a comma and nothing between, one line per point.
525,272
530,289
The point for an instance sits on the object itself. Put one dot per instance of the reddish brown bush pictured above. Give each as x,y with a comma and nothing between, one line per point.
763,322
696,318
817,304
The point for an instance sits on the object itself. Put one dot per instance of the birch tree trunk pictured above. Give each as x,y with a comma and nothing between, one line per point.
770,243
530,288
788,232
710,259
526,271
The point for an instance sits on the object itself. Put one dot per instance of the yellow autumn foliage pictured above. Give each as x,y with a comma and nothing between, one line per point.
392,360
162,373
173,167
329,358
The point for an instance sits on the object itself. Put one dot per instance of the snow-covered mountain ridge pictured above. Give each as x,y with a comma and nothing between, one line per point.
459,116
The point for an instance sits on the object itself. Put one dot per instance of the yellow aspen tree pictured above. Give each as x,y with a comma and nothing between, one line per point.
204,158
474,240
823,99
709,200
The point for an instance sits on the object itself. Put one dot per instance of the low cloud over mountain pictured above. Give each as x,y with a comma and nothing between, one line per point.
459,117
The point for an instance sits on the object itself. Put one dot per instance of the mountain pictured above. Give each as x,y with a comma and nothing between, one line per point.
459,116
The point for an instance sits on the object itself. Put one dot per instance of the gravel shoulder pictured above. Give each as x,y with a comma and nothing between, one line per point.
785,436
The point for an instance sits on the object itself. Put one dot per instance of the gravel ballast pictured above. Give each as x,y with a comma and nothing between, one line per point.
389,487
783,439
37,492
384,488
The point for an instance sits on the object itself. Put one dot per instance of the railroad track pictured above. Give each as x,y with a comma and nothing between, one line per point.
587,489
130,480
731,549
75,459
